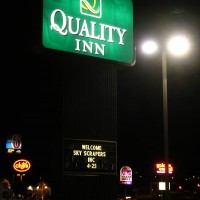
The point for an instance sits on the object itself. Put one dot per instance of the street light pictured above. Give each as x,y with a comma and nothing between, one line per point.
177,45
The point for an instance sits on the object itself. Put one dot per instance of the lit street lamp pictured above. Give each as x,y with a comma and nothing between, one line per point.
178,46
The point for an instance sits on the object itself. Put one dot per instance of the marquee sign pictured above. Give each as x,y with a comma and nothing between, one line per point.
21,165
89,156
98,28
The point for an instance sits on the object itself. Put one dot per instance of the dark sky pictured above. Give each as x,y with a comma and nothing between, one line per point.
140,92
140,114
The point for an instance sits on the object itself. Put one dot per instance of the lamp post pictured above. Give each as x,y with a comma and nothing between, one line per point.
165,119
179,46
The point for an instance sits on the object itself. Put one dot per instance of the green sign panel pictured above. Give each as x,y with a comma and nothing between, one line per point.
99,28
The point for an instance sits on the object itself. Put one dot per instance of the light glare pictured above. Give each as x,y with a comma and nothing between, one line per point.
149,47
178,45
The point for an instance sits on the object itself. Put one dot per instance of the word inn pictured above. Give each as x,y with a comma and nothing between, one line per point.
92,30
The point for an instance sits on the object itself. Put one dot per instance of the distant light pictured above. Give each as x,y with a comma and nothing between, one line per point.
162,185
180,187
160,168
30,187
178,45
149,47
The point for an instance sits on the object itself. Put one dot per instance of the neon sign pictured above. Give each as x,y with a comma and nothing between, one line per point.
22,165
160,168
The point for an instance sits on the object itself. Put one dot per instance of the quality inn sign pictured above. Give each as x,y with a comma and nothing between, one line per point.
98,28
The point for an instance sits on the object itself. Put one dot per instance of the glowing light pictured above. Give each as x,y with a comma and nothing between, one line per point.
149,47
160,168
178,45
22,165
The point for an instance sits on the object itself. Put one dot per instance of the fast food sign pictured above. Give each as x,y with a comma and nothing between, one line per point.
160,168
126,175
21,165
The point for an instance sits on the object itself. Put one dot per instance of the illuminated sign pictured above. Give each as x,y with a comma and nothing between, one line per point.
89,156
14,144
126,175
98,28
160,168
162,186
22,165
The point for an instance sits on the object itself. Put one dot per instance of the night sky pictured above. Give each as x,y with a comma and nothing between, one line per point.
140,121
140,111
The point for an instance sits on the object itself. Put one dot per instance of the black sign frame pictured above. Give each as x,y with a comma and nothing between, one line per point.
85,156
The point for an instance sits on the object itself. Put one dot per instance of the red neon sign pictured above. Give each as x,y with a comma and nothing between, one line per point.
22,165
160,168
